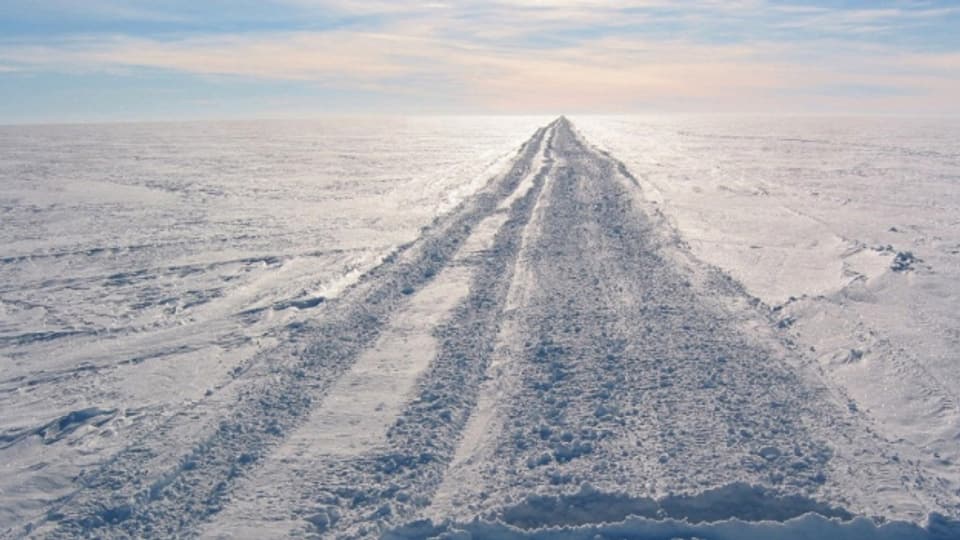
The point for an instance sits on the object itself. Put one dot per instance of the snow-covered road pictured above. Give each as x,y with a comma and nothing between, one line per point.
548,355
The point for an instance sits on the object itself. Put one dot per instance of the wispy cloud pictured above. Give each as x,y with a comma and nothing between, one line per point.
532,55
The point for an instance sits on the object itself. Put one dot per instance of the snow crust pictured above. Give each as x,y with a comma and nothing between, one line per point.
846,229
142,266
414,329
805,527
735,512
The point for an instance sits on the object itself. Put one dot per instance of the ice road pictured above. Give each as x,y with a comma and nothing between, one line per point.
547,360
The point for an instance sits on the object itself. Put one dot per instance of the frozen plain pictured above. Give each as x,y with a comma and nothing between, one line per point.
240,331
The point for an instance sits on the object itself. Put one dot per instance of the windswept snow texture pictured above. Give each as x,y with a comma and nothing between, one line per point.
545,352
847,229
142,266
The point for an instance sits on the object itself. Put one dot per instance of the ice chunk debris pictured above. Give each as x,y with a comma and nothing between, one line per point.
903,261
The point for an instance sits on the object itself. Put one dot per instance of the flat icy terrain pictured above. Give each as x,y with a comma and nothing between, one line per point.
847,229
141,264
627,328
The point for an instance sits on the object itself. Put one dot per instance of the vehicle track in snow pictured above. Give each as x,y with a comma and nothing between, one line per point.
631,368
157,488
325,488
586,356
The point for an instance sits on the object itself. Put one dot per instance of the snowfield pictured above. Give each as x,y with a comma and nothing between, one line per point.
616,328
847,229
142,264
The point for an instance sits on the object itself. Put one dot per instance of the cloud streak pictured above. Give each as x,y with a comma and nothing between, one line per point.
561,55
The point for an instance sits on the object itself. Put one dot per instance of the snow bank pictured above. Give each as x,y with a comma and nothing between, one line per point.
806,527
734,512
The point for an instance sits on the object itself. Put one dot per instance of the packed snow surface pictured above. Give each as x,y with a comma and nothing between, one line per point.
413,328
848,229
142,264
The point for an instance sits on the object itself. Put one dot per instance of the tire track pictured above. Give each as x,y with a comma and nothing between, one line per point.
632,376
359,496
152,490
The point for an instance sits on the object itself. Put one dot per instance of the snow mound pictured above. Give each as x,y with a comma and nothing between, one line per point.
801,528
733,512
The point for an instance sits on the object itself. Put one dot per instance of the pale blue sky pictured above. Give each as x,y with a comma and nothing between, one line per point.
65,60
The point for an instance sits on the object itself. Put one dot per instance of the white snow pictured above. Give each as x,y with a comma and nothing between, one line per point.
476,443
354,417
140,264
308,312
809,214
366,401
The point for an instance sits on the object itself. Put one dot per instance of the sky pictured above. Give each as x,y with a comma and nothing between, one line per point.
123,60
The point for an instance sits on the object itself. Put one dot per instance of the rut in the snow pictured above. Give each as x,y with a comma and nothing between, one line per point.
338,494
623,373
627,374
630,372
144,491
